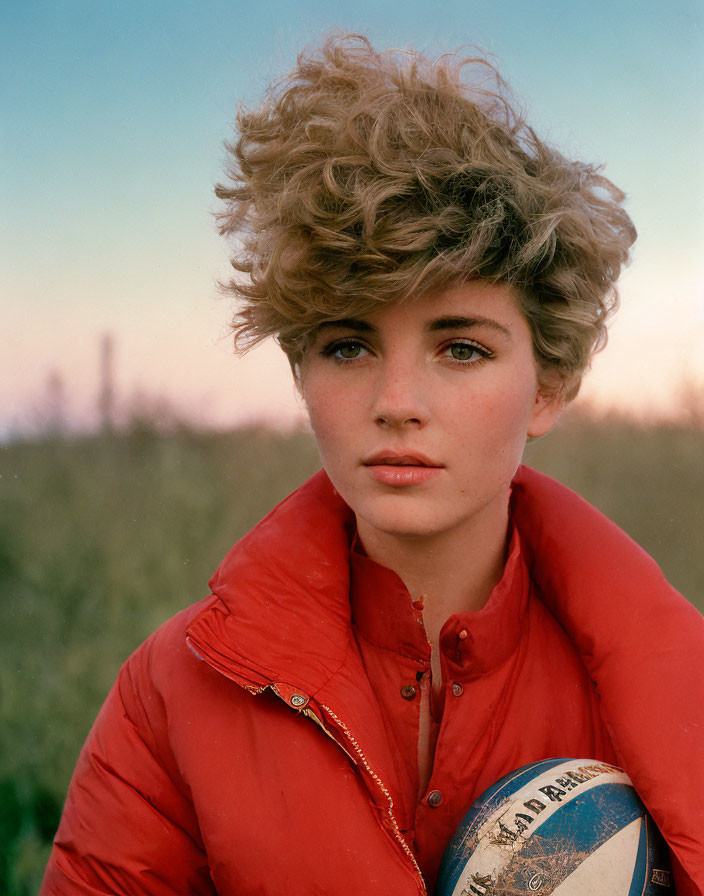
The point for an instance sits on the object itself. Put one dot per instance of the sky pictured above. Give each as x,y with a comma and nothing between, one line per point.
114,116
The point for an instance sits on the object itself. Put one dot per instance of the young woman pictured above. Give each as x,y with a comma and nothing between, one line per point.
424,615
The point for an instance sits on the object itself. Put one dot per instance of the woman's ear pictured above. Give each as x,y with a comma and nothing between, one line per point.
549,404
545,415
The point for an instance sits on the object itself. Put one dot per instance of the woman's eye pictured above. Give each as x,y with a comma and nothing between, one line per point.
346,351
465,351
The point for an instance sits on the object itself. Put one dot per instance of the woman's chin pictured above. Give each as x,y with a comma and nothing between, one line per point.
399,522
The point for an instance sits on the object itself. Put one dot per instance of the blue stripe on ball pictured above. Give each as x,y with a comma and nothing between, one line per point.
641,870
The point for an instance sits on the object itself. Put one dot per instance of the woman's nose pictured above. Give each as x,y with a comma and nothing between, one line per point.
399,399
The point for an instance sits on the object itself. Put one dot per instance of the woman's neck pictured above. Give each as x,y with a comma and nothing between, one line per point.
452,572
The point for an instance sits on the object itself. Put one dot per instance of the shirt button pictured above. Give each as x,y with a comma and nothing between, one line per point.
408,692
434,799
462,634
457,688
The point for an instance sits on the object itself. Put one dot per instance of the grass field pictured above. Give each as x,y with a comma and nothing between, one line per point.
104,537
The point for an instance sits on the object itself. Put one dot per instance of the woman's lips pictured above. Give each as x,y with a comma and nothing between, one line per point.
402,469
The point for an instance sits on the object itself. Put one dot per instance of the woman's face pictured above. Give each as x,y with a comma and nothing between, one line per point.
421,410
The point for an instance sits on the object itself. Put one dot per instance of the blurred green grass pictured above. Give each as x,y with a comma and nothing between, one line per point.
102,538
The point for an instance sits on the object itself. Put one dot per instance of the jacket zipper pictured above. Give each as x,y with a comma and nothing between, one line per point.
359,755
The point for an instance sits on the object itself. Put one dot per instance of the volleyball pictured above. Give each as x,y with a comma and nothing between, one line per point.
560,826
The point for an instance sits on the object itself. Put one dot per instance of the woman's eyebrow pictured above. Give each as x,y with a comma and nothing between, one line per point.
459,323
349,323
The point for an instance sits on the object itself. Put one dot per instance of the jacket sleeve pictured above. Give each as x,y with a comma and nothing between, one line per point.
643,646
128,826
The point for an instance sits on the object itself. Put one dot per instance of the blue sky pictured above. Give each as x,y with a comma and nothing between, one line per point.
115,115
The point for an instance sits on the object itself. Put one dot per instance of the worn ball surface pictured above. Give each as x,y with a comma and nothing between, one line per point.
560,826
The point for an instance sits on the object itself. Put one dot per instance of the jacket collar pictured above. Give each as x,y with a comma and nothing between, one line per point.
280,589
282,611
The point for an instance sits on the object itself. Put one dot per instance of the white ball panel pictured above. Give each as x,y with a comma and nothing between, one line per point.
609,870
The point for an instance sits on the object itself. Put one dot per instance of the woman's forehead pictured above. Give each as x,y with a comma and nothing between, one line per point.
477,303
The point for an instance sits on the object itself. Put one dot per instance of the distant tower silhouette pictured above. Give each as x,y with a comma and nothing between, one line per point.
55,412
106,396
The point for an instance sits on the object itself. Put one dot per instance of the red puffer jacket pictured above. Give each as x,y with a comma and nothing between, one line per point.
189,785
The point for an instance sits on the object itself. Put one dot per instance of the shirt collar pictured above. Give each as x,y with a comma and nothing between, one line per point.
471,643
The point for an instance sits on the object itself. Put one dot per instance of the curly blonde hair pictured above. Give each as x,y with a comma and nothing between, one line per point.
366,178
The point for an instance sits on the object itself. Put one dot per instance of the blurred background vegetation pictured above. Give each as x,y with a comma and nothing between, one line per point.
103,537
